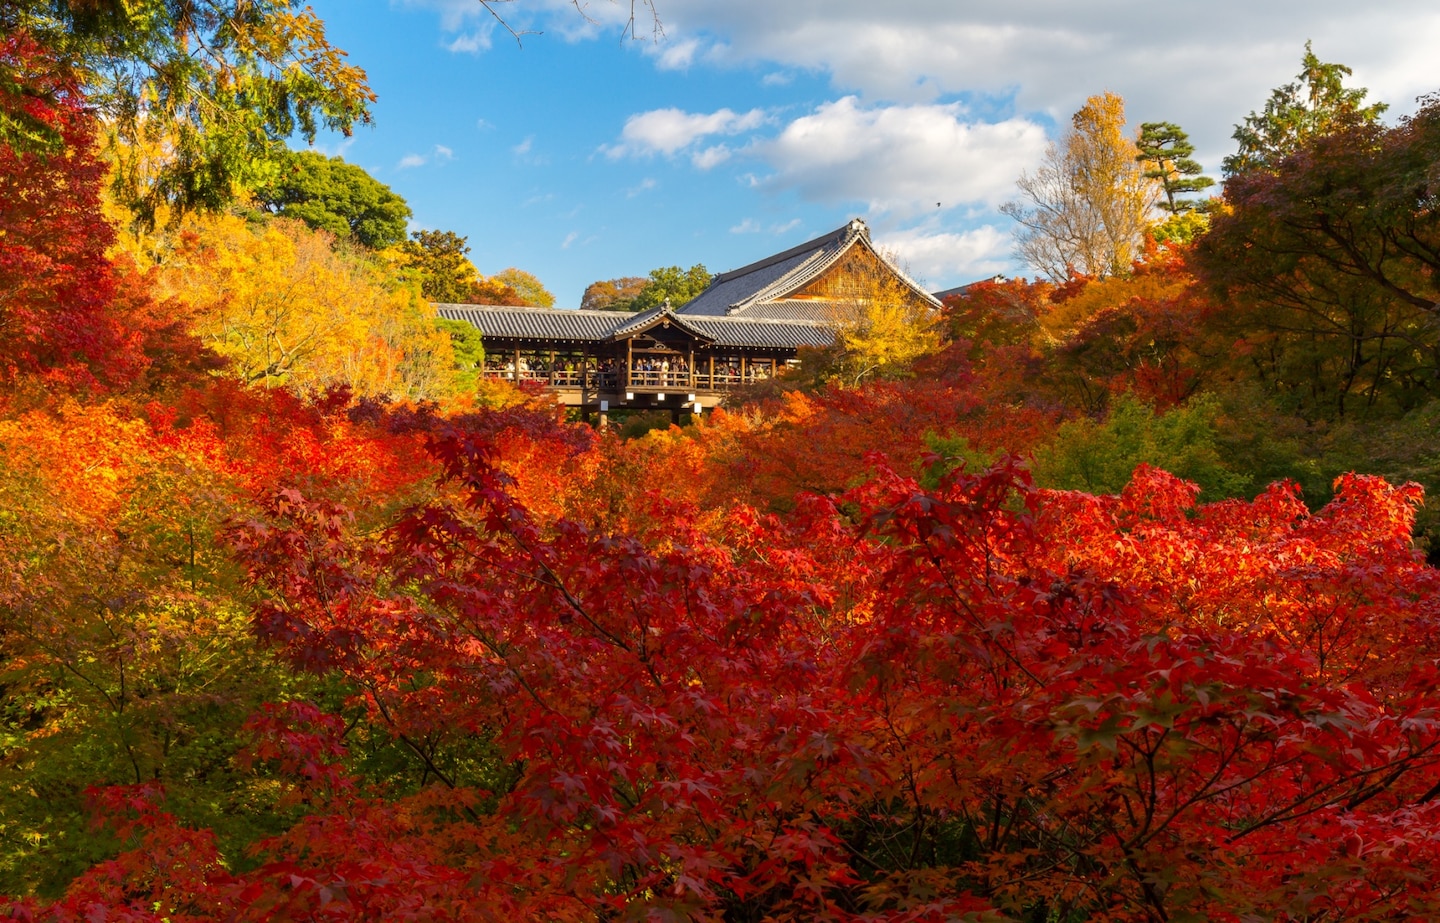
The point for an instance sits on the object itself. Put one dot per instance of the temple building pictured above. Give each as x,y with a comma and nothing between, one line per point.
745,327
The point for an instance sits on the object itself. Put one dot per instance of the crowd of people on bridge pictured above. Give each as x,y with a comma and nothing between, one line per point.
645,371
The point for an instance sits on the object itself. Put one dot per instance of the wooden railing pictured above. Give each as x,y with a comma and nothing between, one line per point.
639,379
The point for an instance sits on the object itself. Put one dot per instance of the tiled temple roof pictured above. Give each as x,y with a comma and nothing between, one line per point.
761,288
760,332
747,307
565,327
547,324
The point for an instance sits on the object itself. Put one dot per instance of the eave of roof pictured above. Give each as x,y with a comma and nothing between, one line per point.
967,287
763,333
536,323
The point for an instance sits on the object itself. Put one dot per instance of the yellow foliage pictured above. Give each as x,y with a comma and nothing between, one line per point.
881,324
285,306
1087,206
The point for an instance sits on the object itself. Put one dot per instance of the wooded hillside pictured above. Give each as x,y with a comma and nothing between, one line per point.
1112,605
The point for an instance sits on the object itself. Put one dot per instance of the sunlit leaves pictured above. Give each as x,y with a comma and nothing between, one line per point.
218,86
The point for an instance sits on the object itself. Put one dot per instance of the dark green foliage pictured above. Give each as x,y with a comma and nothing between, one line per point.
1165,152
438,258
672,283
633,424
1317,103
1328,267
331,195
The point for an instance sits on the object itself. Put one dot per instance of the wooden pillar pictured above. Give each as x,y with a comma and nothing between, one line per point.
584,386
552,368
516,376
629,361
712,372
690,368
744,367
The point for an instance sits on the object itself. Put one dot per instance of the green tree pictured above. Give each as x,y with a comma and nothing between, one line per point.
1101,457
438,259
468,346
331,195
1165,153
672,283
1087,206
198,95
1329,268
1316,103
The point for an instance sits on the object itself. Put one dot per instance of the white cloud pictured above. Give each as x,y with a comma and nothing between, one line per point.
454,14
525,152
676,56
570,239
1169,63
645,185
948,257
438,154
1046,56
553,17
710,157
776,79
751,226
470,42
668,131
900,159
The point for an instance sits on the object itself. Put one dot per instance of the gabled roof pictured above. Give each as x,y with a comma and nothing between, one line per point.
645,320
758,290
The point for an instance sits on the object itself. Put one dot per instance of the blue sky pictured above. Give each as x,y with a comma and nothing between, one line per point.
752,125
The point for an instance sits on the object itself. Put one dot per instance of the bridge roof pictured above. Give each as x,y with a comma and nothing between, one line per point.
570,327
506,322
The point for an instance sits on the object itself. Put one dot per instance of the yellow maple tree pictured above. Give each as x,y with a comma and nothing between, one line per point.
285,305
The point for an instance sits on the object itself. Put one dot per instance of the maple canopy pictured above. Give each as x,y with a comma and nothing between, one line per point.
300,621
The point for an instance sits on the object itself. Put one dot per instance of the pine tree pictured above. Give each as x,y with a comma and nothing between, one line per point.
1317,103
1165,152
